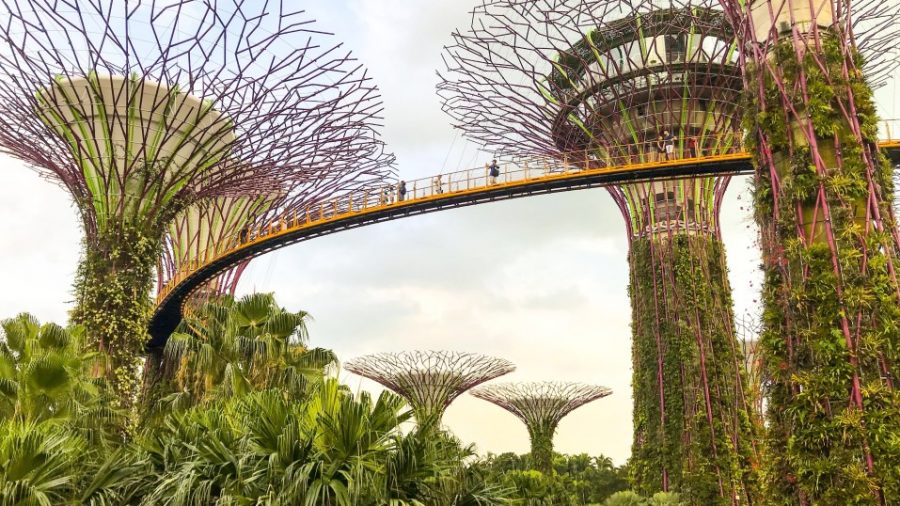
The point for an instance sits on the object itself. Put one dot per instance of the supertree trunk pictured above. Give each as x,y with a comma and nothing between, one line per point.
693,425
112,288
823,198
541,437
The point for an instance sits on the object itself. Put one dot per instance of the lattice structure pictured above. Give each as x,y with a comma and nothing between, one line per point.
201,229
141,109
429,380
823,195
600,83
541,406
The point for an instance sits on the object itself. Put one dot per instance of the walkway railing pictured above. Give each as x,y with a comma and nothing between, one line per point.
619,158
889,131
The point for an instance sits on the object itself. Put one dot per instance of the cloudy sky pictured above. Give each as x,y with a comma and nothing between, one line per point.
540,281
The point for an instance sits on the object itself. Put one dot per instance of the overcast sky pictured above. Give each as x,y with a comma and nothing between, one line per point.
541,281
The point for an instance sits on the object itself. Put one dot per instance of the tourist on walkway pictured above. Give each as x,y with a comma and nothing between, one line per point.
660,147
669,140
437,186
401,191
692,147
494,171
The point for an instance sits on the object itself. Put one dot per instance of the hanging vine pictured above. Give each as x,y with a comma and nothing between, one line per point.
830,323
693,425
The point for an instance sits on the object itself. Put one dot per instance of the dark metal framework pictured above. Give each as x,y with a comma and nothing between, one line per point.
287,111
540,403
429,380
541,406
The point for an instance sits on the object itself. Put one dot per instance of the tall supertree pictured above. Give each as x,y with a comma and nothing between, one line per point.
597,83
141,109
429,380
822,195
540,406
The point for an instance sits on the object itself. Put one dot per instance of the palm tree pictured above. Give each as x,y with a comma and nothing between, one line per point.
263,448
231,347
46,374
58,435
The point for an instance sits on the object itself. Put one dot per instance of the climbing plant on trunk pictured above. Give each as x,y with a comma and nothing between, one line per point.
830,335
693,423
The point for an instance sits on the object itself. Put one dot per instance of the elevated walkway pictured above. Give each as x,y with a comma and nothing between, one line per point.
447,191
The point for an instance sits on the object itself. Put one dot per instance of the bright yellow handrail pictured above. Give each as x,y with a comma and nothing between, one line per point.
517,172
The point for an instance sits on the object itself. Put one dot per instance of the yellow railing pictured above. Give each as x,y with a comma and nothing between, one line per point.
621,158
889,131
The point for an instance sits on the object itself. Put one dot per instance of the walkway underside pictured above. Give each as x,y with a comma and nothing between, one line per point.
345,215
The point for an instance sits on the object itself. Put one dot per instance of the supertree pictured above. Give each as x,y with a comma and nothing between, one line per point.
541,406
429,380
822,196
597,83
141,109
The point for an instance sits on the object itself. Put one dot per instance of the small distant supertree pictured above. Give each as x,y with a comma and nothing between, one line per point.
541,406
429,380
142,109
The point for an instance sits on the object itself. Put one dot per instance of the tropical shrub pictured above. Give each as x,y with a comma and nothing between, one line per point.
243,413
230,347
625,498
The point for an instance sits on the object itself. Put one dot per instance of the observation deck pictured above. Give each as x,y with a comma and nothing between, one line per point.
519,178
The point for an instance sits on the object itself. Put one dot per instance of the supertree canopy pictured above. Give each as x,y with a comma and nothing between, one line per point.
142,109
540,406
605,82
429,380
829,344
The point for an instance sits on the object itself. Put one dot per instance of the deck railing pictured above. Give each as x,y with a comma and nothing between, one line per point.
618,158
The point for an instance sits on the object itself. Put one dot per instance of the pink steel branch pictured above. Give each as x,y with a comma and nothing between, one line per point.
303,112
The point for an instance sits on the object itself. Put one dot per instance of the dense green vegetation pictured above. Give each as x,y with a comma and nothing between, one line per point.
243,412
112,285
693,422
830,334
574,479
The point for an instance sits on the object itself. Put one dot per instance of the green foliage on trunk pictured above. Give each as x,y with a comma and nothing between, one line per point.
542,447
828,301
113,302
684,346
